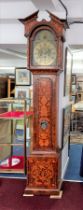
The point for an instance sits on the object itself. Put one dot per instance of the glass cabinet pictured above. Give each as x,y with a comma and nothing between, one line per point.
15,134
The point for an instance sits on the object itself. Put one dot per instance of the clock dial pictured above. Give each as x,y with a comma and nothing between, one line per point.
44,53
44,49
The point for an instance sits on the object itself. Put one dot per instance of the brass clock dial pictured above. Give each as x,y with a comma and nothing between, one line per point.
44,53
44,49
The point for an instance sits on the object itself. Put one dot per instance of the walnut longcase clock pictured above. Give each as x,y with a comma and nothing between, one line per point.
45,59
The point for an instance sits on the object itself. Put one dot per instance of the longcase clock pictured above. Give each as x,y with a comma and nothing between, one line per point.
45,61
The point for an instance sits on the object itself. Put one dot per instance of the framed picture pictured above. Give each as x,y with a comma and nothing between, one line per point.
31,79
22,76
79,86
31,94
66,124
74,89
79,78
73,98
73,79
68,72
21,92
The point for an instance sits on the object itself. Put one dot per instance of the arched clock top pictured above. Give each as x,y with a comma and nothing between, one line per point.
43,47
43,27
44,52
46,26
31,22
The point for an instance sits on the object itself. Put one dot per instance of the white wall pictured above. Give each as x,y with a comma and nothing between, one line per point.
12,32
74,35
16,9
64,160
9,65
63,102
13,62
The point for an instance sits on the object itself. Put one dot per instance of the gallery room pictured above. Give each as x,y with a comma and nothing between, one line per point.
41,104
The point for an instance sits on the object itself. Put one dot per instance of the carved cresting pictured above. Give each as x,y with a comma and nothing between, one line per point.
43,172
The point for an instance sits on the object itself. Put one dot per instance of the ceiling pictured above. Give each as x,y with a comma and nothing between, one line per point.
12,10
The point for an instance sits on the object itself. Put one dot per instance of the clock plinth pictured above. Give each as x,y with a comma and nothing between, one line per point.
45,61
43,174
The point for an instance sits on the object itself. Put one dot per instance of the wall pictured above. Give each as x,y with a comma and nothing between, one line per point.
74,35
64,160
12,32
13,62
63,102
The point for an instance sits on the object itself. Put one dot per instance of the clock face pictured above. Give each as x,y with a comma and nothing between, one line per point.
44,49
44,53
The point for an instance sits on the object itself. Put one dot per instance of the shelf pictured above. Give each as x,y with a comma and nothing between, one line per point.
11,86
15,115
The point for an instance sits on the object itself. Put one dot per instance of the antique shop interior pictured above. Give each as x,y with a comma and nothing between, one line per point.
41,94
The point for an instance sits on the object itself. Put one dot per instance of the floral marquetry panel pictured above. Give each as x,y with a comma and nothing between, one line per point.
44,126
43,172
45,132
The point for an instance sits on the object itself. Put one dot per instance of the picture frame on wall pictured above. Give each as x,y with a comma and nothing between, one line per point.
79,86
22,76
31,79
73,98
68,72
66,124
22,92
73,89
73,79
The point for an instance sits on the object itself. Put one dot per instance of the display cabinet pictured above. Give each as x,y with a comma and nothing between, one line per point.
3,87
15,119
74,88
10,87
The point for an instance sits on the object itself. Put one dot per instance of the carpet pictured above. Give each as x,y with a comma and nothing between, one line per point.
11,197
73,169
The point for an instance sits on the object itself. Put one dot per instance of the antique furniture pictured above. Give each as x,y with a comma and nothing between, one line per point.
14,138
45,37
77,118
7,85
3,87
